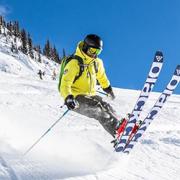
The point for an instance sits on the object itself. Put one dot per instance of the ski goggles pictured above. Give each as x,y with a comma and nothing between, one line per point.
95,51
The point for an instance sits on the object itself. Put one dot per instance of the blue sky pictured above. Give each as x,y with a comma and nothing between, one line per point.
132,30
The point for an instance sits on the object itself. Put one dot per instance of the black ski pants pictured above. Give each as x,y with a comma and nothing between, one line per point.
95,107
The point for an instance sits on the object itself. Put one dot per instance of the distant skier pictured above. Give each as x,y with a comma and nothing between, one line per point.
54,74
40,73
80,93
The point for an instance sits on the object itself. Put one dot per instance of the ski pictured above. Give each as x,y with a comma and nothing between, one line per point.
147,88
155,109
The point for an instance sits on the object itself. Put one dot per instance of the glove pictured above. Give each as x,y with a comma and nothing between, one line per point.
109,91
71,103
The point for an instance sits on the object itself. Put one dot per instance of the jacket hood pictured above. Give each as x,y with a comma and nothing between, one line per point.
80,53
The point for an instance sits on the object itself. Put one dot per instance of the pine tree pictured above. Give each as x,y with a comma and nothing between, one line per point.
10,28
1,20
55,55
24,41
47,49
39,53
29,44
13,48
38,50
16,30
2,25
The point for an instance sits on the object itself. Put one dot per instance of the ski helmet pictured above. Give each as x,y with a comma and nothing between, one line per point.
93,40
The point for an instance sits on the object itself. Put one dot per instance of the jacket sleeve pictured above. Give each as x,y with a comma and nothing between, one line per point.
101,75
70,72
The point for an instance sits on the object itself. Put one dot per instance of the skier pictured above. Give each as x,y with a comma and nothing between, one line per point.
80,95
40,73
54,74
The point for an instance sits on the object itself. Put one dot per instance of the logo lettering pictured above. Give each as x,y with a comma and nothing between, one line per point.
178,72
133,117
173,83
155,70
147,88
65,71
162,100
153,112
140,103
159,58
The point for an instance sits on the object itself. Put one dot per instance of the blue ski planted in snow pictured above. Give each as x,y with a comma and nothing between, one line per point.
147,88
156,108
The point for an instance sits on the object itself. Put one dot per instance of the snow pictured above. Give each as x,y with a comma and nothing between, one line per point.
77,148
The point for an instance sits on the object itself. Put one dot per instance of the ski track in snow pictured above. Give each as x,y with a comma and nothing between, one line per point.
77,148
9,171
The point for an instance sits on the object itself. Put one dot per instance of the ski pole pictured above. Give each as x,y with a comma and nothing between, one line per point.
100,92
30,148
103,93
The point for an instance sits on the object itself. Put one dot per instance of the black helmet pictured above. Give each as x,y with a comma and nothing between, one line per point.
93,40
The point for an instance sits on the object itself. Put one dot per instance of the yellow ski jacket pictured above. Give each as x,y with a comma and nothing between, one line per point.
86,83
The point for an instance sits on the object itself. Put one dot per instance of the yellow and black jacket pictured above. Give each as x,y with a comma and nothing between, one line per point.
86,83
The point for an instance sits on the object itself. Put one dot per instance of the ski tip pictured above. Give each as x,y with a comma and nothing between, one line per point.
160,53
158,56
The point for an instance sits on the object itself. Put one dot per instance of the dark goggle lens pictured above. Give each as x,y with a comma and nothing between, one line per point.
93,50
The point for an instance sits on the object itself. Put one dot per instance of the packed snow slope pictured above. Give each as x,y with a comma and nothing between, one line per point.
77,148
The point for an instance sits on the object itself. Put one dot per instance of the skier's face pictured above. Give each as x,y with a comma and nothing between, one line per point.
93,52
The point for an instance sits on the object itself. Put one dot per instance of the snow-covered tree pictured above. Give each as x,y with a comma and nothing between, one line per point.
30,46
24,41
